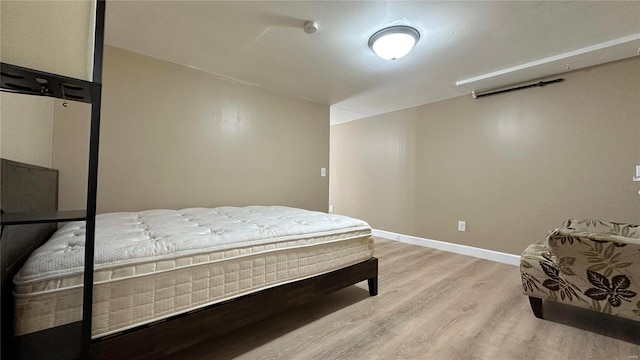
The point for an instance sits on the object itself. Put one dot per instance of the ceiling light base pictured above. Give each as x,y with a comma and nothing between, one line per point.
311,27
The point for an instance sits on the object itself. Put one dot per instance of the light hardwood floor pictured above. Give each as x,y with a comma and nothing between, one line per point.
431,305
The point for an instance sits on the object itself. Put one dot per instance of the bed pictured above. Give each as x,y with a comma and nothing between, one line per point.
167,279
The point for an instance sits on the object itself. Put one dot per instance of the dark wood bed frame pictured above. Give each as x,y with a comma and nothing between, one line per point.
167,337
28,188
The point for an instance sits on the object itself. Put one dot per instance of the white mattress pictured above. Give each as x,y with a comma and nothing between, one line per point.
154,264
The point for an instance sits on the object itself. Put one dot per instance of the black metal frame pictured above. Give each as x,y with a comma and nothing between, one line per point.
92,186
42,217
62,342
22,80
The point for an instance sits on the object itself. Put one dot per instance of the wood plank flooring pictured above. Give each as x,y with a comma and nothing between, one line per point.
431,305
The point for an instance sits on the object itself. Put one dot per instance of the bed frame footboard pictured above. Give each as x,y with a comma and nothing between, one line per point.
167,337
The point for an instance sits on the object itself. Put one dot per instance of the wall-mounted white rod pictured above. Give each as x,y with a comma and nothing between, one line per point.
476,95
607,48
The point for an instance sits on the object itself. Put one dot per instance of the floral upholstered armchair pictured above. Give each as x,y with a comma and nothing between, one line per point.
587,263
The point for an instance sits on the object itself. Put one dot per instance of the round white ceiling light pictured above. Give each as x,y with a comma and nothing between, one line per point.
311,27
394,42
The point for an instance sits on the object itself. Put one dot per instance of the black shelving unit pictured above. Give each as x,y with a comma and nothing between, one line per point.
42,217
72,340
21,80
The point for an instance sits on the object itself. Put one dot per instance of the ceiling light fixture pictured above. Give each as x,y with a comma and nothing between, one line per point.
394,42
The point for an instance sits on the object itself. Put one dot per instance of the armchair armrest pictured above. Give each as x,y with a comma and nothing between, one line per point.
581,235
602,227
589,249
568,237
587,263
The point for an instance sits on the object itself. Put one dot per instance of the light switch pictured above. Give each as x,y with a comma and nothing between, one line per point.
462,225
323,172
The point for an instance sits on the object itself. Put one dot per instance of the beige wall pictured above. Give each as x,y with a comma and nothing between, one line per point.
26,128
71,153
34,128
365,160
173,137
52,36
513,166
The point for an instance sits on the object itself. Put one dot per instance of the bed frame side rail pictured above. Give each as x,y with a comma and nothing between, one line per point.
177,333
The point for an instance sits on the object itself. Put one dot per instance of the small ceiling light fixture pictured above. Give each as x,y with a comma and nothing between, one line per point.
394,42
311,27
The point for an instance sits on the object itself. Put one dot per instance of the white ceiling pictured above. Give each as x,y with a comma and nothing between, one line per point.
263,43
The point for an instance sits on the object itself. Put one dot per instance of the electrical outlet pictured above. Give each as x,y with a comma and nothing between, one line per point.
323,172
462,225
330,208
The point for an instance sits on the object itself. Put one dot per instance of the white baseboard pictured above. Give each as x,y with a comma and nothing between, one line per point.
492,255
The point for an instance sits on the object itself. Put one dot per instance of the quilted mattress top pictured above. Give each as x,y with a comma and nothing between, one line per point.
136,237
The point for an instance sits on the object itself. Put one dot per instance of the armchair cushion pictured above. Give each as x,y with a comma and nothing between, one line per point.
587,263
